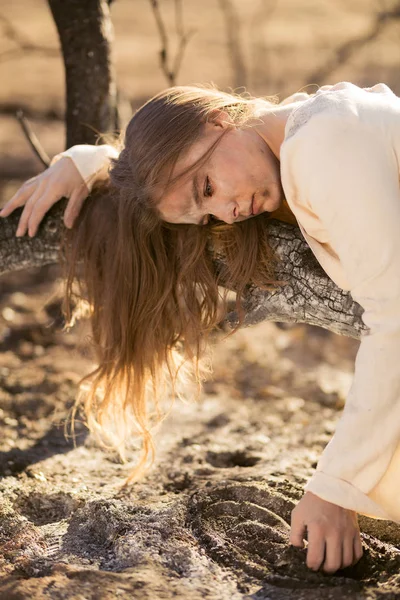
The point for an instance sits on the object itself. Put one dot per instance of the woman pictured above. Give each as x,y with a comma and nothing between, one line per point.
192,159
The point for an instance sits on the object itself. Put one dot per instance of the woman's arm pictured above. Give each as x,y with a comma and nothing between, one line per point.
71,175
92,162
346,172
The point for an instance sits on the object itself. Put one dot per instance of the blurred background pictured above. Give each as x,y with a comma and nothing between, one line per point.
267,46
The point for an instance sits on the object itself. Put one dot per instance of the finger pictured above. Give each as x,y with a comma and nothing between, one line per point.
316,548
297,531
358,549
333,554
74,205
39,209
348,552
24,218
19,199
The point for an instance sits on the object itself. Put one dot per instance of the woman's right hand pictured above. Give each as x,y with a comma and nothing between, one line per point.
38,194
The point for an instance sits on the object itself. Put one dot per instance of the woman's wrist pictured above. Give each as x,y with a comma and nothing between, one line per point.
92,162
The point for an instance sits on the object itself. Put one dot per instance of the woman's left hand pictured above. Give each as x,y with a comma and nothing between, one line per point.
38,194
333,533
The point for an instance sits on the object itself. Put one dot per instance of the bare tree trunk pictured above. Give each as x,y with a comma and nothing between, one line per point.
310,296
86,35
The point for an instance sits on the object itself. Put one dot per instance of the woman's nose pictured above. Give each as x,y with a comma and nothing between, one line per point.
227,212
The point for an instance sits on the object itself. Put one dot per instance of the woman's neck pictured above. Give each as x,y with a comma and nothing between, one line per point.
273,122
272,131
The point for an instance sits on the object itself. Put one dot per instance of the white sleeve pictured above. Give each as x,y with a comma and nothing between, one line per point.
92,162
347,172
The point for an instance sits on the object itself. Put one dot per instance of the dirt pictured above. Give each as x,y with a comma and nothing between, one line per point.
212,519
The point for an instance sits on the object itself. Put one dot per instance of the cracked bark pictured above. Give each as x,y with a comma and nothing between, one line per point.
310,296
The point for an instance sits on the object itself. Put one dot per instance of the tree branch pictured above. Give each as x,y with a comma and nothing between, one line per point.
309,297
32,139
171,72
23,253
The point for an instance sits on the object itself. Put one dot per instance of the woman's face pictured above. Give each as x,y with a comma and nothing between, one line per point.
240,179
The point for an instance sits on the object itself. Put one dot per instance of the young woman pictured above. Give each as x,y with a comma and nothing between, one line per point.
200,165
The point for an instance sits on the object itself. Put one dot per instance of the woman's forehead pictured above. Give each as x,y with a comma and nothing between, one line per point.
177,203
200,151
189,157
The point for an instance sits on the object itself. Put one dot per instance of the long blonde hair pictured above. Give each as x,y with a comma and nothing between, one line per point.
153,289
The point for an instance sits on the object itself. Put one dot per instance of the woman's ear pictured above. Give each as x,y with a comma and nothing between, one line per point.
221,119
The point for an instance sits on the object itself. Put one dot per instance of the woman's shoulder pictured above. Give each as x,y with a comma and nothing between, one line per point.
343,101
339,126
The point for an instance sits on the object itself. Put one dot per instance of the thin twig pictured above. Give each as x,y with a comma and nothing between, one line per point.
171,73
32,139
164,42
183,36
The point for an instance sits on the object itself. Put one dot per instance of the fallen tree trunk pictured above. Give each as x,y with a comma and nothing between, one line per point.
85,32
309,297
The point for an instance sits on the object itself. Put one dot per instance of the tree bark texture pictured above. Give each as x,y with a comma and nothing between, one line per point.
310,296
86,35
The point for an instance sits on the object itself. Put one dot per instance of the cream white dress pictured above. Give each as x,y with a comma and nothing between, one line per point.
340,174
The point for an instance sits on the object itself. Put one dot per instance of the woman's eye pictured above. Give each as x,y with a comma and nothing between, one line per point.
207,187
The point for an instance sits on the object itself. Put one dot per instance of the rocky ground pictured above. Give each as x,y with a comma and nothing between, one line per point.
212,518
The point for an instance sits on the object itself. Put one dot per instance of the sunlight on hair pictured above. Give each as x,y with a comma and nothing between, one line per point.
152,290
